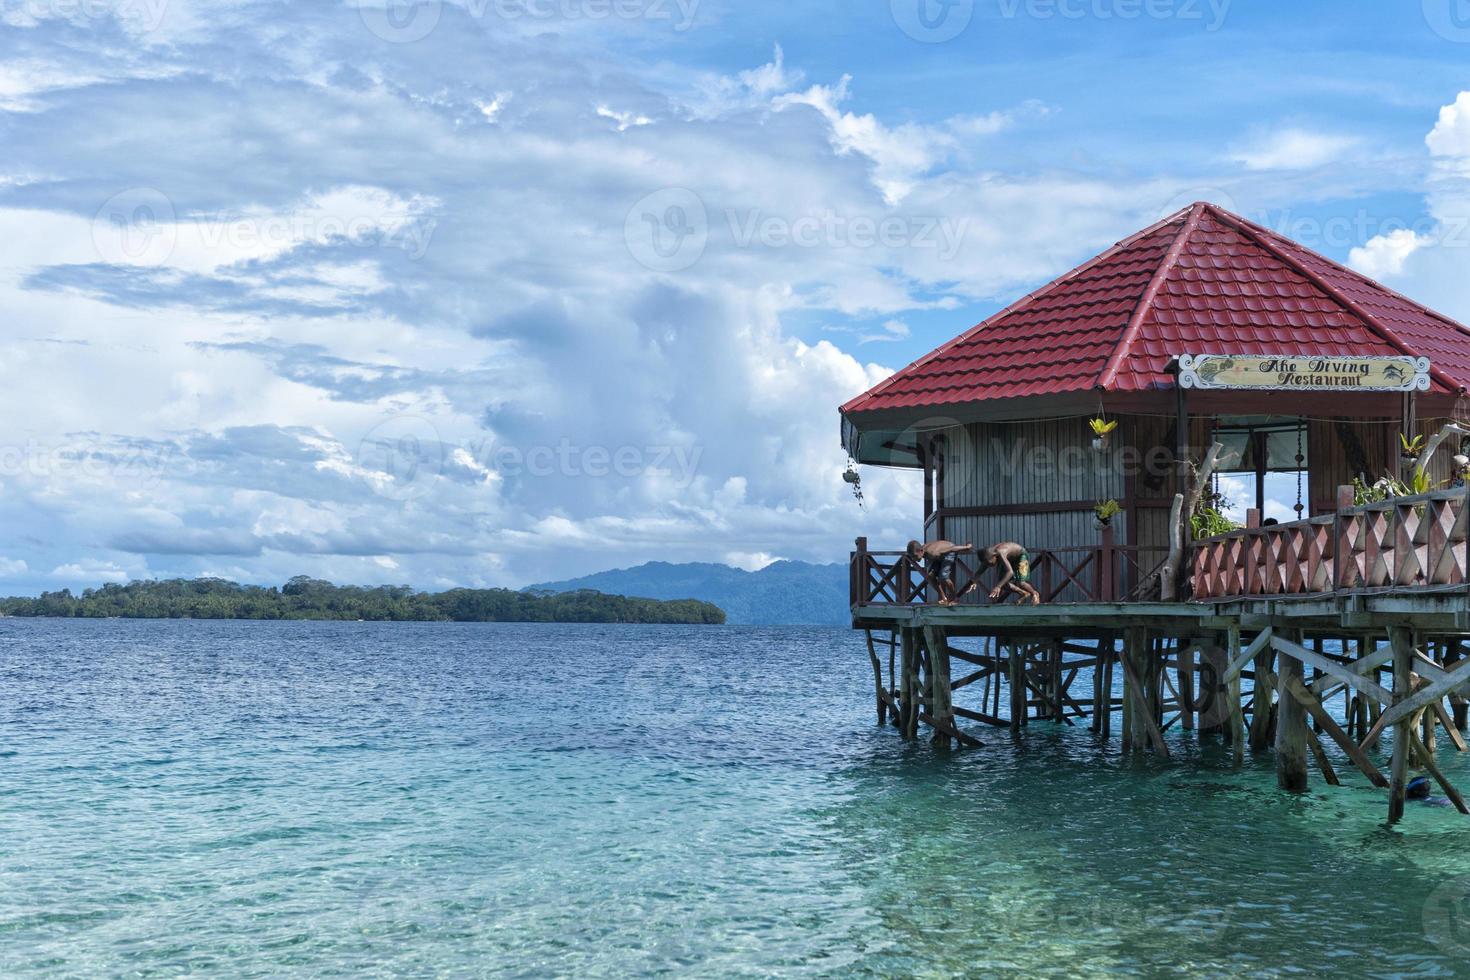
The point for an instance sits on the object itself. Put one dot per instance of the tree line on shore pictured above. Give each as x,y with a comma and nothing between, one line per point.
308,598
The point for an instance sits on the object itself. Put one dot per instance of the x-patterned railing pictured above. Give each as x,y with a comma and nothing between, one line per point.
1403,543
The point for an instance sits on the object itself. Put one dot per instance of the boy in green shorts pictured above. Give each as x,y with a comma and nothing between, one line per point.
1016,565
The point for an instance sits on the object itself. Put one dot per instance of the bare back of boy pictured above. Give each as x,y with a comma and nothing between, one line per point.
1014,563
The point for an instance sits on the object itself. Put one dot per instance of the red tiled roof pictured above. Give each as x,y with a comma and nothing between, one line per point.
1204,281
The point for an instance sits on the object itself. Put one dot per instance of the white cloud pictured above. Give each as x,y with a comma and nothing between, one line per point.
1427,261
1451,134
624,120
1384,255
771,79
491,110
1293,149
750,561
900,154
237,402
89,572
892,330
11,567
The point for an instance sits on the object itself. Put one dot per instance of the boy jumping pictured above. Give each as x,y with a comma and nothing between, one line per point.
1016,563
940,557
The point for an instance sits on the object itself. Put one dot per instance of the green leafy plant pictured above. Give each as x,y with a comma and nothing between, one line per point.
1102,428
1207,522
1412,448
1390,487
1106,510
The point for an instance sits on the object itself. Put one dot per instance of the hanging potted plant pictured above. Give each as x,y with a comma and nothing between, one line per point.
1106,510
1102,432
1412,450
854,479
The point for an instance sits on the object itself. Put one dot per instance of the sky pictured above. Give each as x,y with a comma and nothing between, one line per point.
492,292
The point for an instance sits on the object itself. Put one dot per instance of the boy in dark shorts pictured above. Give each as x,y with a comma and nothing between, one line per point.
1015,564
940,557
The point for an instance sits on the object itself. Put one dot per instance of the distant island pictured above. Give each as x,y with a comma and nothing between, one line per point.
308,598
785,593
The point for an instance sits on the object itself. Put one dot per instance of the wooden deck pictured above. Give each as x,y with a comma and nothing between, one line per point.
1348,628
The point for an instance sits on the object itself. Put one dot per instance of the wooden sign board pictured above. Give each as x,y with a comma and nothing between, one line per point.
1257,372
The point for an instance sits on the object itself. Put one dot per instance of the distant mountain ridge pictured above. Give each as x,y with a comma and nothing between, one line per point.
786,593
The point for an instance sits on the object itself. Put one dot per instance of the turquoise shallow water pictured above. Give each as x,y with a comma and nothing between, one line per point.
250,799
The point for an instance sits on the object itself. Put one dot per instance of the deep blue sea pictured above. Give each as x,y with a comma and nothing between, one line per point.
360,799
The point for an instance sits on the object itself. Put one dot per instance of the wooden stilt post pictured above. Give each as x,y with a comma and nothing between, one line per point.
1213,692
1098,708
877,680
1058,709
1291,730
1458,701
1431,743
942,706
1184,661
1016,667
1403,682
1140,676
909,719
1261,701
1237,712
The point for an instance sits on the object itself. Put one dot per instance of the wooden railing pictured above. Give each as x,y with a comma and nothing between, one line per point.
1101,573
1402,543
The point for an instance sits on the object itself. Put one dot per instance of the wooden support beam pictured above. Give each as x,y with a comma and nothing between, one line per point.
909,685
950,731
1262,686
1449,727
1332,668
1291,726
1403,681
981,717
1016,668
877,680
1243,657
1314,707
1237,710
1323,763
940,694
1143,723
1429,694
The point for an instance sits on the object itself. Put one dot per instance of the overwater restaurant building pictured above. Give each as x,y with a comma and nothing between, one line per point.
1204,327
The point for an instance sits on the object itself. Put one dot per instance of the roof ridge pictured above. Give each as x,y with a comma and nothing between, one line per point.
1145,302
1267,239
1036,294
